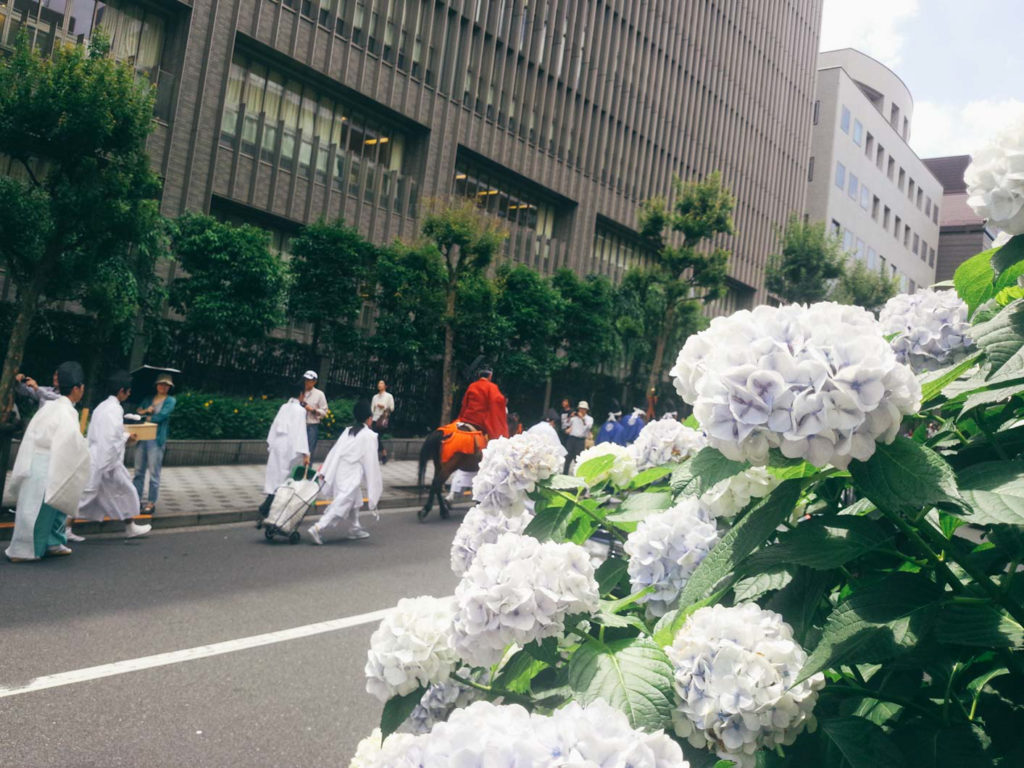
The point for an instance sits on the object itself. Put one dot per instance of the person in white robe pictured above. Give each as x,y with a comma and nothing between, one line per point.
50,472
461,480
351,464
110,491
287,446
546,428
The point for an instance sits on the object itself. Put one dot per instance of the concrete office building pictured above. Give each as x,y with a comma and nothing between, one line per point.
560,116
864,180
962,233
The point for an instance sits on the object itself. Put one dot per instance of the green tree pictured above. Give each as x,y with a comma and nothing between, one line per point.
76,126
330,264
467,239
864,287
587,332
234,288
809,262
687,273
410,303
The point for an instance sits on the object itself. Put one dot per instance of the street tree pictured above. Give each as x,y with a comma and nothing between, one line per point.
467,239
586,333
808,264
234,288
331,265
690,272
864,287
74,127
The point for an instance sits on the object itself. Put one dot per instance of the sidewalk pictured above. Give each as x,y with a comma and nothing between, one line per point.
227,494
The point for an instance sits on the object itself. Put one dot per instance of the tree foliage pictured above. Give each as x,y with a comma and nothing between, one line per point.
331,264
864,287
531,310
75,125
234,287
809,262
587,332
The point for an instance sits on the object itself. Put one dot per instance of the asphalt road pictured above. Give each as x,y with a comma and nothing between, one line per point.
299,702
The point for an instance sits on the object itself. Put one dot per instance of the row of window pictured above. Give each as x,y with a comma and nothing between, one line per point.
136,34
858,191
504,200
615,253
876,152
276,118
855,247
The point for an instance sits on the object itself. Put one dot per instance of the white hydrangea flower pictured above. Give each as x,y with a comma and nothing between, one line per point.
518,590
486,734
932,328
479,526
666,548
660,442
436,704
372,751
819,383
411,647
728,497
735,670
623,469
995,180
511,468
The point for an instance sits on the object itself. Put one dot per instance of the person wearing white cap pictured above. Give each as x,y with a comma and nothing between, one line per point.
315,403
580,424
149,454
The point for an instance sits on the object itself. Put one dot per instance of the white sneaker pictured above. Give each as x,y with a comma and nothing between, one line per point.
314,534
133,529
59,549
72,536
358,533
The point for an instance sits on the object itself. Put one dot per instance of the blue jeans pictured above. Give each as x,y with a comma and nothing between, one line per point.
312,435
148,455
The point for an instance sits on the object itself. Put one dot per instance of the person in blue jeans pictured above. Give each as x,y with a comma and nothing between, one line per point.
149,454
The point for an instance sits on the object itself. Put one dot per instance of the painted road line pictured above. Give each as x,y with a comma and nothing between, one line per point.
191,654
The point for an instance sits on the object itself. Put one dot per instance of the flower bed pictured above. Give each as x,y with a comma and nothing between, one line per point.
206,416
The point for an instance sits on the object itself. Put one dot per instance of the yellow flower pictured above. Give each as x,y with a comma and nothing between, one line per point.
236,410
263,397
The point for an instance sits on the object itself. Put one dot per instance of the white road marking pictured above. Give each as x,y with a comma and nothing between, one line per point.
191,654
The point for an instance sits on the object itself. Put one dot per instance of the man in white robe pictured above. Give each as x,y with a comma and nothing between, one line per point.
50,472
546,428
287,447
110,491
351,463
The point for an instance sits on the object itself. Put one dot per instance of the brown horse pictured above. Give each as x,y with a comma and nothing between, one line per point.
431,451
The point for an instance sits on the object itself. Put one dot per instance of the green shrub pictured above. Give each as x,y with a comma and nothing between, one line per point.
206,416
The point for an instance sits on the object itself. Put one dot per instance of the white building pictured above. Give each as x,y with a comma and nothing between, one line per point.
864,180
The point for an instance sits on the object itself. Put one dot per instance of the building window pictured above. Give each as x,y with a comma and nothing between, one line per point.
869,146
894,116
865,196
844,121
931,257
910,191
503,198
858,132
880,157
872,258
927,206
906,235
816,115
924,249
917,243
848,241
859,253
614,253
840,175
854,186
935,213
906,128
886,212
919,196
897,228
835,228
810,169
875,205
891,171
902,181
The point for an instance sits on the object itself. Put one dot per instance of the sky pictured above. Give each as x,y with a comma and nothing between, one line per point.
961,59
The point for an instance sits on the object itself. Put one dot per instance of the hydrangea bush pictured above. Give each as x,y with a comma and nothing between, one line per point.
929,328
831,580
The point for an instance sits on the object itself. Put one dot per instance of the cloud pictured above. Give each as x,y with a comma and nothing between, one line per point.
959,129
870,26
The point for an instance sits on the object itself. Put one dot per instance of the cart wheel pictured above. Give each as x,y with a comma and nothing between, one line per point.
294,538
269,533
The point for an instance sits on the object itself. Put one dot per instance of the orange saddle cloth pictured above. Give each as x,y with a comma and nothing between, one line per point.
460,438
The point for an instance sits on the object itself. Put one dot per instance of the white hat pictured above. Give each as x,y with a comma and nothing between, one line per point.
310,375
584,405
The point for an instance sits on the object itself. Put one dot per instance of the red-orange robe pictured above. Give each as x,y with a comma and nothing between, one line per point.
484,406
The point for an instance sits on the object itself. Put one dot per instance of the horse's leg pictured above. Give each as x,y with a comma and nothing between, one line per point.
434,488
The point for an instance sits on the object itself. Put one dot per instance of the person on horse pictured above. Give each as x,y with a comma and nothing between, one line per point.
484,407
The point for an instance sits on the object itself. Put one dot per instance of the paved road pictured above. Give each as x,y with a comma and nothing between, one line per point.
299,702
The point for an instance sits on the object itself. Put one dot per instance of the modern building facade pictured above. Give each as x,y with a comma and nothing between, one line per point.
863,179
559,116
962,233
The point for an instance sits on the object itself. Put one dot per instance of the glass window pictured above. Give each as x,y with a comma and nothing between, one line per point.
931,257
844,121
858,254
865,196
840,175
853,186
233,100
272,114
872,258
858,132
847,241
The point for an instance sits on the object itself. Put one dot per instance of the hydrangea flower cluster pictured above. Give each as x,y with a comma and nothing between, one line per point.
436,704
666,548
660,442
819,383
622,470
995,180
932,328
373,750
726,498
481,527
518,590
411,647
510,469
735,670
495,734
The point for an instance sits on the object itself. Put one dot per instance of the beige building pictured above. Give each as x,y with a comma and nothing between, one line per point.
962,232
864,180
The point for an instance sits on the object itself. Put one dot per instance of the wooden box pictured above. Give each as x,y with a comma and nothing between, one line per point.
142,430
